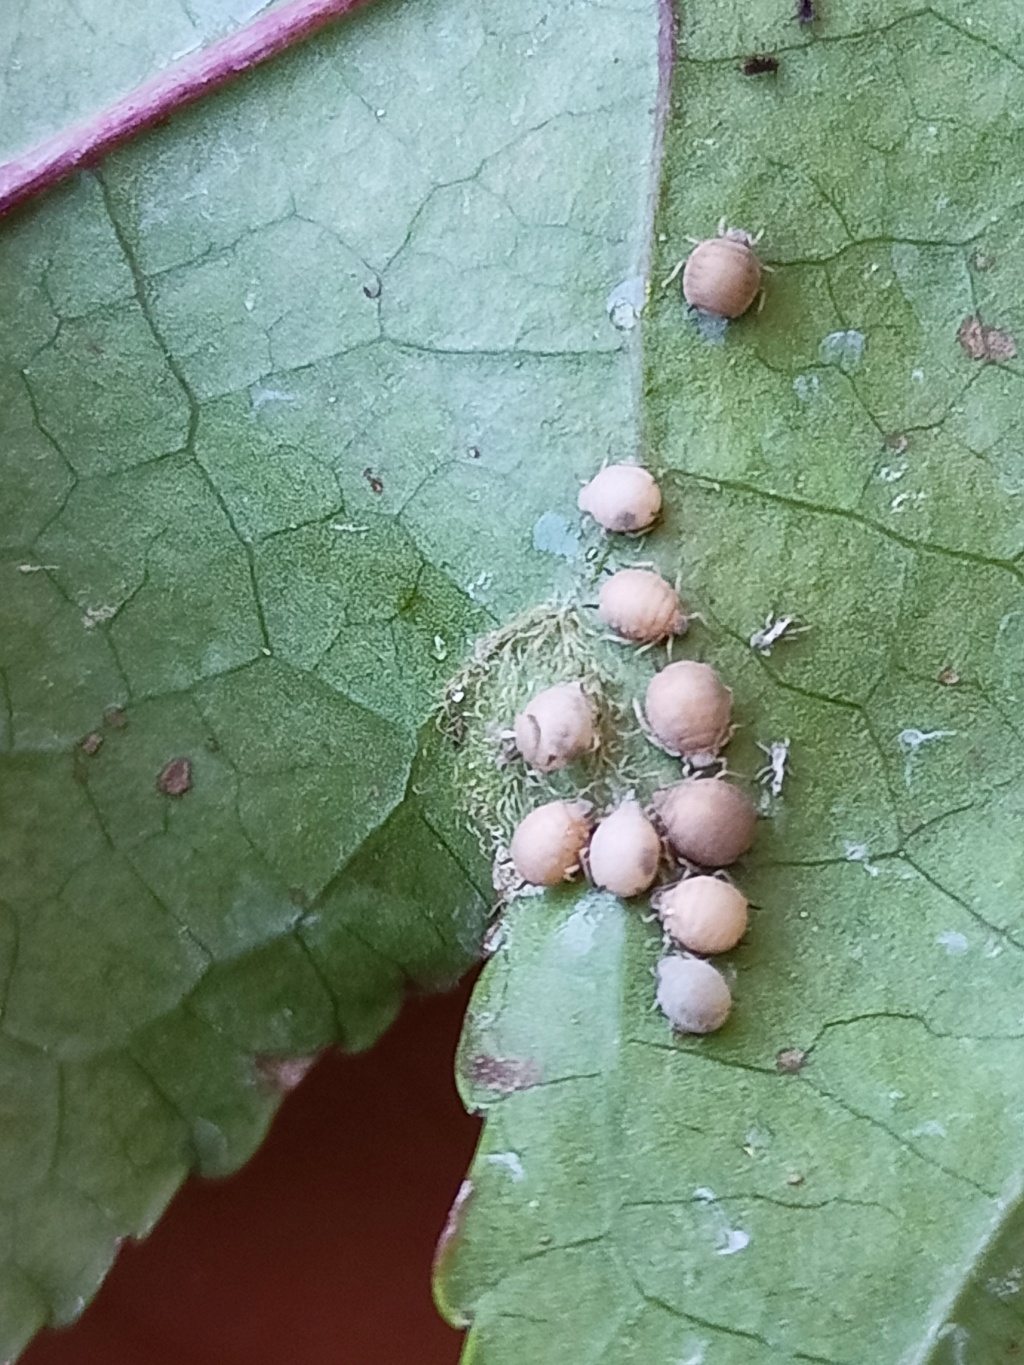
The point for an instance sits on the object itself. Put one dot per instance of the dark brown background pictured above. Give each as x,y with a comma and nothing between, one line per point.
319,1251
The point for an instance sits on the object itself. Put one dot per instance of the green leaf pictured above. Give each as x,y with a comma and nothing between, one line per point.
650,1198
285,388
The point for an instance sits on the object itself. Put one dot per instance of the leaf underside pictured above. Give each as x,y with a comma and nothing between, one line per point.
284,389
841,458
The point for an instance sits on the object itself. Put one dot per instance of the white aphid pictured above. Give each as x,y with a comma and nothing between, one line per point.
773,774
775,628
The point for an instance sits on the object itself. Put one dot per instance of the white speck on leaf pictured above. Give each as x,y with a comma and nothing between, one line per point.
577,933
844,349
892,473
910,741
553,535
711,328
953,941
728,1240
930,1128
94,616
860,853
259,398
440,648
735,1240
1007,1287
626,302
806,387
510,1161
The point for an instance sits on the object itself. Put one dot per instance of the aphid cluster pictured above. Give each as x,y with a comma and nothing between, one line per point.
691,828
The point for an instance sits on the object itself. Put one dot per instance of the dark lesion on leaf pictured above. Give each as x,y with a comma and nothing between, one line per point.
981,342
503,1074
790,1061
760,64
175,777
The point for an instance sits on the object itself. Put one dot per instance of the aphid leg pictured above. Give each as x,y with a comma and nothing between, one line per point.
674,273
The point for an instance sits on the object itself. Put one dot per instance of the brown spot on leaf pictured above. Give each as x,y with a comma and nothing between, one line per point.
374,480
283,1074
504,1074
981,342
982,261
91,744
175,777
116,717
949,677
790,1060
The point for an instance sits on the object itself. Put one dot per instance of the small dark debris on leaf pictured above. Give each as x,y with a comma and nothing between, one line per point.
790,1060
212,744
949,677
474,452
175,777
896,441
115,717
504,1074
283,1074
981,342
92,743
806,12
372,288
376,483
761,64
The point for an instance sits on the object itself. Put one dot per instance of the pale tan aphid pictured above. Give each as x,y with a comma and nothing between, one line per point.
641,606
722,275
692,994
622,497
547,843
704,914
625,851
556,727
687,711
706,820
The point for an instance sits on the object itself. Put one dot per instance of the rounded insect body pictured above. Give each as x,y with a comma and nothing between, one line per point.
704,914
547,843
641,606
692,994
625,851
706,820
622,497
687,710
556,727
722,275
